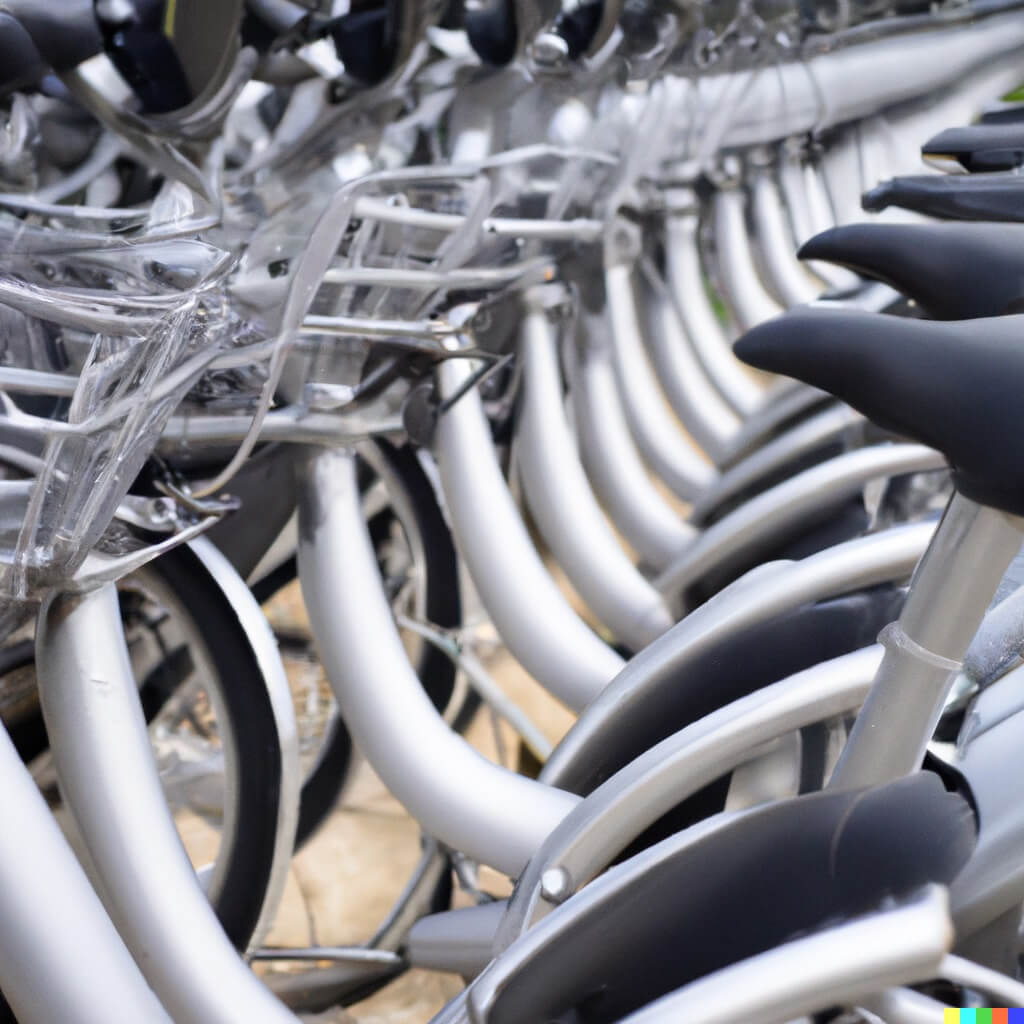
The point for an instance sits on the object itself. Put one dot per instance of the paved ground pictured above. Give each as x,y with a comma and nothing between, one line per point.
342,883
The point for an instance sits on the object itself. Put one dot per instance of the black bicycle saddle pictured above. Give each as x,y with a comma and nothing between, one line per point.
955,386
980,147
954,271
780,871
998,197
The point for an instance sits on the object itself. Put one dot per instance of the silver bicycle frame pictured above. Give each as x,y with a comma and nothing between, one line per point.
764,592
613,464
71,965
685,278
619,810
789,280
109,780
925,648
559,496
659,437
530,613
776,512
742,289
834,423
458,796
839,966
669,340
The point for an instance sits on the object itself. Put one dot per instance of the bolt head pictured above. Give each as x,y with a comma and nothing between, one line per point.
555,885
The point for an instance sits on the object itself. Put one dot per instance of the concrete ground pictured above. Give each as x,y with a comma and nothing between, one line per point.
342,883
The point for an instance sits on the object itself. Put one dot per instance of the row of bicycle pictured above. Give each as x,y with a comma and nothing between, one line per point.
347,297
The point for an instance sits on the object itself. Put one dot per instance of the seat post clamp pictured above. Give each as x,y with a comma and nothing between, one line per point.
894,637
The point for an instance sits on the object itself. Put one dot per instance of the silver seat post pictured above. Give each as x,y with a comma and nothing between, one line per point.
949,593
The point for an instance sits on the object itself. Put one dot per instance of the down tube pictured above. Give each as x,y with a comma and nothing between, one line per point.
109,779
75,969
533,618
458,796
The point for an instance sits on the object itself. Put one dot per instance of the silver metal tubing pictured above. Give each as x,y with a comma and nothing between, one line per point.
992,882
614,468
459,797
272,673
741,287
767,591
949,593
707,416
577,230
531,614
292,424
840,168
792,401
358,955
787,278
999,642
1005,990
619,810
536,943
702,327
790,176
460,941
659,436
902,1006
777,512
63,960
109,780
822,214
835,423
564,506
836,85
836,967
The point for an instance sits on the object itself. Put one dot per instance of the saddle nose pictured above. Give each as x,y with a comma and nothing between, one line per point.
955,271
954,386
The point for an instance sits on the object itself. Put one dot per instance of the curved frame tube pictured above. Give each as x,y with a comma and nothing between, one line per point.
681,376
785,275
833,424
615,469
564,506
767,591
775,513
707,335
619,810
459,797
74,970
109,780
742,289
531,614
658,435
844,83
793,401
